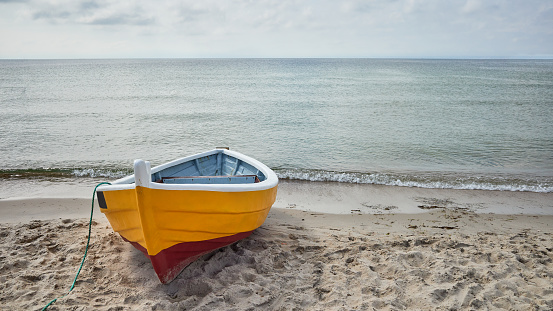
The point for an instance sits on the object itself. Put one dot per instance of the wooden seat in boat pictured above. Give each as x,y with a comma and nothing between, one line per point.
233,179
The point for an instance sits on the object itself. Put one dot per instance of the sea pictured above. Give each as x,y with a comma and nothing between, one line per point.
429,123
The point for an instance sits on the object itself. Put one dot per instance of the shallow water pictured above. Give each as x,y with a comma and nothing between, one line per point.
462,124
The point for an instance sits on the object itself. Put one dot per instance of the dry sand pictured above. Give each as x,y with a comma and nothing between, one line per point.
443,259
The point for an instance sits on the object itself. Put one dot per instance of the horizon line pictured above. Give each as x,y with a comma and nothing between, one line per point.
391,58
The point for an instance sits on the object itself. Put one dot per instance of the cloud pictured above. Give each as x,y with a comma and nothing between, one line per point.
90,12
233,17
122,19
471,6
288,28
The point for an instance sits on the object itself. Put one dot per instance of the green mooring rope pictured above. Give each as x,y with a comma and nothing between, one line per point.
86,249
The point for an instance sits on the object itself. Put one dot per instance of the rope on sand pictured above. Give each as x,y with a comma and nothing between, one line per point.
86,249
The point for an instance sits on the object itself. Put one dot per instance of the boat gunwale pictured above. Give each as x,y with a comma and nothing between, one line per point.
271,180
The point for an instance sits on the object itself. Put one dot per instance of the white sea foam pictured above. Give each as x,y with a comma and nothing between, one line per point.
428,180
90,172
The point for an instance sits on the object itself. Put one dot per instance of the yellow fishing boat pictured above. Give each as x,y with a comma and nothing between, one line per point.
176,212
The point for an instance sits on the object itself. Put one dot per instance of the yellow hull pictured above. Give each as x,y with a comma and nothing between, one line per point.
158,219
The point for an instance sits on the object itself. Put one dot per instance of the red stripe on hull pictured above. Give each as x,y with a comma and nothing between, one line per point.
170,262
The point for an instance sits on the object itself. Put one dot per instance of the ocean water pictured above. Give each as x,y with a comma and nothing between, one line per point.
460,124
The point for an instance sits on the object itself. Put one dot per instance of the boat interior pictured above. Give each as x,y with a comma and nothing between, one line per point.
217,168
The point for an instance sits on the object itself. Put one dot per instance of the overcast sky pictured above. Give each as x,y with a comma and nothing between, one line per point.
276,28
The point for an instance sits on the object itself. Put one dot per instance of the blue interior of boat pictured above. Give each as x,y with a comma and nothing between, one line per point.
209,170
246,179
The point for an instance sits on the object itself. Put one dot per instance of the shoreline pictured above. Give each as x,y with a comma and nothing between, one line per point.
320,197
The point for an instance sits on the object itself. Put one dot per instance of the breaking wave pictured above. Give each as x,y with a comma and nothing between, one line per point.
436,180
424,180
61,173
91,172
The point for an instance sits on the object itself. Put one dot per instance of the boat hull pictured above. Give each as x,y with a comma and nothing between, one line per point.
174,228
173,225
171,261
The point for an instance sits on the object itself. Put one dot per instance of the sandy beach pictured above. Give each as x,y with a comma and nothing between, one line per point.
447,256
